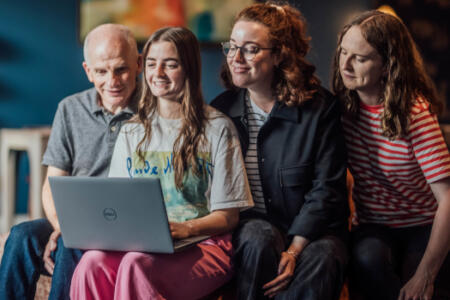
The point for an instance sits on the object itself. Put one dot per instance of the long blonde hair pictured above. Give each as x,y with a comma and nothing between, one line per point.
192,134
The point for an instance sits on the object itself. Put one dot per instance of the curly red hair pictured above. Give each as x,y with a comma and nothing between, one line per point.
294,81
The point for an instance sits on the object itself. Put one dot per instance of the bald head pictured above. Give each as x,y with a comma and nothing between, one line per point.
107,35
112,63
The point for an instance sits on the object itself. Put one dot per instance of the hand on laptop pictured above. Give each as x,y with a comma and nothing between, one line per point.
49,248
180,230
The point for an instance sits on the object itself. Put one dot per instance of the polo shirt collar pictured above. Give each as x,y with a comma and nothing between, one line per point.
131,108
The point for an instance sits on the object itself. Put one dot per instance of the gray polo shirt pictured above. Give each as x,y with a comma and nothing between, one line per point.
83,134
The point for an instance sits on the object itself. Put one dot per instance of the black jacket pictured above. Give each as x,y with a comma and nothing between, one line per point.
302,163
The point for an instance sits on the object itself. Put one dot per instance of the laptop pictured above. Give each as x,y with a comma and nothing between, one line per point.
119,214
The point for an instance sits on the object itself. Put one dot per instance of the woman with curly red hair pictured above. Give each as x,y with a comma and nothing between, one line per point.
399,161
291,244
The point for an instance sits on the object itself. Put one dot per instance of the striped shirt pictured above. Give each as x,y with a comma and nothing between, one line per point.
256,118
392,177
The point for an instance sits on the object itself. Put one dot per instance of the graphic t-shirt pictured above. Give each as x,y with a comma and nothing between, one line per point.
222,182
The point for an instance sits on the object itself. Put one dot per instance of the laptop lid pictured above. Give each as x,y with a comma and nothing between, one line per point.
119,214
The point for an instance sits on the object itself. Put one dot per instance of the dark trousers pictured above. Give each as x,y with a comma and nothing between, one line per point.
384,259
22,262
258,244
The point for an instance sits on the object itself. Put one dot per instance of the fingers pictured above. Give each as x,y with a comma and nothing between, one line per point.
49,266
51,246
48,261
276,289
408,295
282,265
286,270
278,280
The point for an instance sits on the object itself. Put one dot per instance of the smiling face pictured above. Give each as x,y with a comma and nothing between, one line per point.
360,65
163,71
112,66
256,74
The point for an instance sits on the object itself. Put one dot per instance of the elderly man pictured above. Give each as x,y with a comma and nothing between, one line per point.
81,143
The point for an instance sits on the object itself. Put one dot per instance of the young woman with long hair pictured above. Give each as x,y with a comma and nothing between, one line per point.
195,152
399,161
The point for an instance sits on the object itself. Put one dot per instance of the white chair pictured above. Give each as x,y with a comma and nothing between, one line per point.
34,142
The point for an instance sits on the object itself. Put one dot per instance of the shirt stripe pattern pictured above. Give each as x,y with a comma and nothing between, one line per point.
256,118
392,177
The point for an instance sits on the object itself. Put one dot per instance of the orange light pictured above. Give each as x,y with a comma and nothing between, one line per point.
387,10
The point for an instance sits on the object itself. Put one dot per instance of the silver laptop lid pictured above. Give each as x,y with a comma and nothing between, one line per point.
112,213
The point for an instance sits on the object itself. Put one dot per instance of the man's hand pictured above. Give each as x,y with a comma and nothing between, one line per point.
49,248
419,287
286,269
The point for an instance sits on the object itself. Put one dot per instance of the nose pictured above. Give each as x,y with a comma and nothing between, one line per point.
346,63
239,56
160,70
113,79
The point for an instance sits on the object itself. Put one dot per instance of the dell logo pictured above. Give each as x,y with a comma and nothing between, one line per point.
109,214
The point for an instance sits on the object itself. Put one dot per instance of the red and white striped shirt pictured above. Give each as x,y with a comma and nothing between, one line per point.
392,177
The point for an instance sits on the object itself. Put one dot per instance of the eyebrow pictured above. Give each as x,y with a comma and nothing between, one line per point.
166,59
247,42
370,55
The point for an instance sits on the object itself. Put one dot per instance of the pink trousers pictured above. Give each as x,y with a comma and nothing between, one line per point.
190,274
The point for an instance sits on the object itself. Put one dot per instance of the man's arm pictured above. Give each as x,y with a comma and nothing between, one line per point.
50,212
47,199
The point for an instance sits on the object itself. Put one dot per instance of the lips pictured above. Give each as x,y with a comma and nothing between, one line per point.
160,83
347,76
240,70
115,92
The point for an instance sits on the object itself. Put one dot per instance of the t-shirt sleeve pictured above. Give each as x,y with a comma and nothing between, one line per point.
59,152
428,144
121,159
229,186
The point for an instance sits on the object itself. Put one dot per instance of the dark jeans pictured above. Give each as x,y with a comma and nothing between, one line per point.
319,273
22,262
384,259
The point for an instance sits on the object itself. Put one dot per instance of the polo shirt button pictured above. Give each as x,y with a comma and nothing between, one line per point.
113,128
269,200
262,159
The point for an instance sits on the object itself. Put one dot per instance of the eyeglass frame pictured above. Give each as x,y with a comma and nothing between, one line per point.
243,50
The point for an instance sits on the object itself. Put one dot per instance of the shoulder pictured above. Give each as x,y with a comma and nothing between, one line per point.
419,106
218,124
322,102
420,116
324,98
225,100
216,119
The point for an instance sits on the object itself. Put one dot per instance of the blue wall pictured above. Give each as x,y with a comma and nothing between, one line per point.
40,55
40,60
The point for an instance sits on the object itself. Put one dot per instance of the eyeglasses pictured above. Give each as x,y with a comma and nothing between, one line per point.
248,51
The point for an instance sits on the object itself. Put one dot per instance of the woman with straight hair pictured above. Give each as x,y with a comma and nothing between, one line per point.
291,245
194,150
399,161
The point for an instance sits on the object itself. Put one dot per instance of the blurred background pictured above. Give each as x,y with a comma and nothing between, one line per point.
41,49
